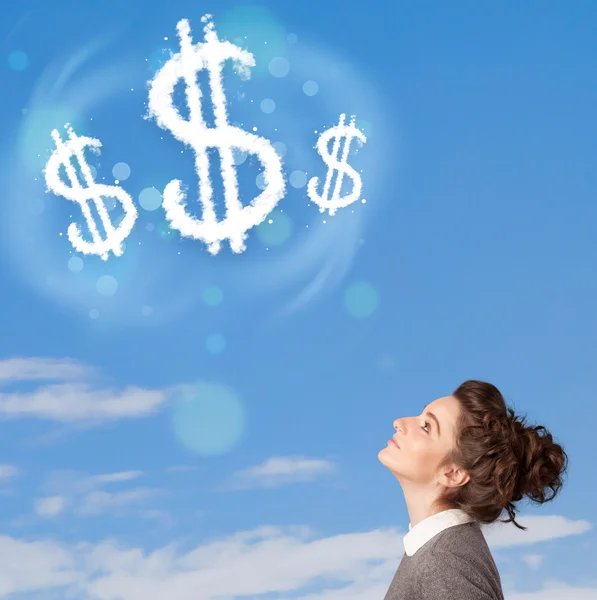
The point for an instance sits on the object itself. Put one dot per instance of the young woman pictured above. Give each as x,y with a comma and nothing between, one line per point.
466,459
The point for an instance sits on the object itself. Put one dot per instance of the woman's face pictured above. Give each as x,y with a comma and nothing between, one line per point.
421,444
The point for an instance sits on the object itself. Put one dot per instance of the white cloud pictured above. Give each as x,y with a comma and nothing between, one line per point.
50,506
180,469
85,494
268,559
557,591
8,471
73,398
96,503
95,481
31,566
540,529
353,566
533,560
279,471
70,402
29,369
157,515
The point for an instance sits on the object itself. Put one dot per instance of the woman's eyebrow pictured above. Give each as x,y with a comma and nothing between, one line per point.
430,414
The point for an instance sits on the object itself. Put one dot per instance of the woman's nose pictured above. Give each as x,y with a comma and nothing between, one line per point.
397,425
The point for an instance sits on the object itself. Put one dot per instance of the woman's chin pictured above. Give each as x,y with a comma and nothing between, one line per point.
385,457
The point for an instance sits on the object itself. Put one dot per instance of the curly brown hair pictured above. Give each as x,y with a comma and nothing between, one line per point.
505,458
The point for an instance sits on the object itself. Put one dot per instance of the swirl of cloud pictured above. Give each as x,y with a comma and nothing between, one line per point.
308,88
66,93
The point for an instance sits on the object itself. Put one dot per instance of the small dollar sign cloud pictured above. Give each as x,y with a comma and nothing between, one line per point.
331,160
86,192
193,132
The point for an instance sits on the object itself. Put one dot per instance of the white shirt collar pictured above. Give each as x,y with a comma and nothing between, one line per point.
423,531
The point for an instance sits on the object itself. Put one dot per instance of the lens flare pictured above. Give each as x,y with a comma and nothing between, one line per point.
361,300
275,230
208,418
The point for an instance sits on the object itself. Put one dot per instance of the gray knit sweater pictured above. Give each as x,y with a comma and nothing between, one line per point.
456,564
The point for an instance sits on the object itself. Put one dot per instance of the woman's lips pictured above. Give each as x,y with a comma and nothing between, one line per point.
393,443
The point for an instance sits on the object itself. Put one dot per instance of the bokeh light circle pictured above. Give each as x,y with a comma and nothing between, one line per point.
208,418
150,199
215,343
121,171
110,203
35,136
280,148
298,179
18,60
37,206
107,285
268,106
239,156
158,59
75,264
255,28
275,230
212,295
310,87
361,300
364,126
165,232
279,67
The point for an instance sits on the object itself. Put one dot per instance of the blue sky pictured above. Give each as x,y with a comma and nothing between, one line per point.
208,426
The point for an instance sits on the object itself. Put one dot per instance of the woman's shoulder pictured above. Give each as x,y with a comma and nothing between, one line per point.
466,541
459,561
469,535
461,543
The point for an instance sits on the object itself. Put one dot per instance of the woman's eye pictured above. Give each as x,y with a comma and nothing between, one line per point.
426,425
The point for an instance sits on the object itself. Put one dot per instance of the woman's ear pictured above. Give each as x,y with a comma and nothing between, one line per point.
453,476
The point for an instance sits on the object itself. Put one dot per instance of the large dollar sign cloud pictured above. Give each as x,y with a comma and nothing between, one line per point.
89,191
193,132
331,160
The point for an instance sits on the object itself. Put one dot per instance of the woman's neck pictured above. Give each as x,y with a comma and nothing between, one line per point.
420,504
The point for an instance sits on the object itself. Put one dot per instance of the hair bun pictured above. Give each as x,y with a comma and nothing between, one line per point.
506,458
535,462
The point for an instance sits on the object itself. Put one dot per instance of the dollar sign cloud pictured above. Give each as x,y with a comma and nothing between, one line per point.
86,192
194,132
331,160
